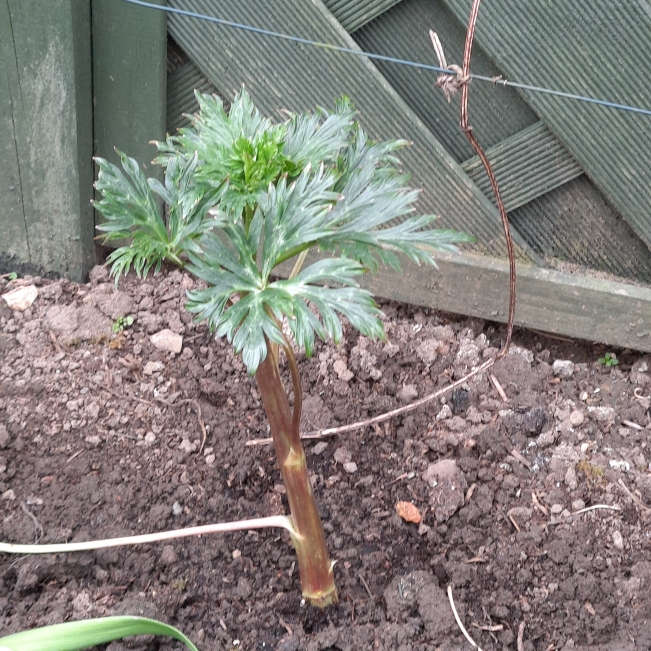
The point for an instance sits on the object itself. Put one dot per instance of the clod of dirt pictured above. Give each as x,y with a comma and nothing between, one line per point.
418,598
447,488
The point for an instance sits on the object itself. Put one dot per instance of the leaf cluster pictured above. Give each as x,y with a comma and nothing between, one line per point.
245,194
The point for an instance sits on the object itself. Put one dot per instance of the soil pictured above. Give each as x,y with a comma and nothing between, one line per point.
100,437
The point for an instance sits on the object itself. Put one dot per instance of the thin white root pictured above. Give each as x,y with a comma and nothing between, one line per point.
461,626
223,527
598,506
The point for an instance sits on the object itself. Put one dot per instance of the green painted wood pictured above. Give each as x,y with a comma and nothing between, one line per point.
353,14
601,49
561,303
526,165
556,302
46,220
129,80
281,75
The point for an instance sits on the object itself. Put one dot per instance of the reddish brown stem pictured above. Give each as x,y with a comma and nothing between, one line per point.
467,129
314,564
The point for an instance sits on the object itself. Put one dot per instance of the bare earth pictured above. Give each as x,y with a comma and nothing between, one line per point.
100,437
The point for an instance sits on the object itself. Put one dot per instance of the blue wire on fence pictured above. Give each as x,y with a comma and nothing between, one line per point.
388,59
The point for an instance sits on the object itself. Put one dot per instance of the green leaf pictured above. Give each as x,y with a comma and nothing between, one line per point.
245,195
72,636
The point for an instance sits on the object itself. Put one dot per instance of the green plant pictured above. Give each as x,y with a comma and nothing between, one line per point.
72,636
121,323
12,275
609,359
245,195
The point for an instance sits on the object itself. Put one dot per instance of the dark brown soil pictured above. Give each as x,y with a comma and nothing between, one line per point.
88,448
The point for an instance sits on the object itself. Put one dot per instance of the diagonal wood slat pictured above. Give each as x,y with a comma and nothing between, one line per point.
527,165
353,14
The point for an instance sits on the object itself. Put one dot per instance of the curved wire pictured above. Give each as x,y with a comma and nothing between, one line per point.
388,59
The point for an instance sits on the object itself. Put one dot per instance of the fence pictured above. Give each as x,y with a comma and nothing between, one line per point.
575,175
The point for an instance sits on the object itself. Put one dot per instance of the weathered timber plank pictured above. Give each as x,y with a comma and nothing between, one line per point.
46,110
281,75
613,313
129,80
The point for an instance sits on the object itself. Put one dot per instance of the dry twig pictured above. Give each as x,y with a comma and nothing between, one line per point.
633,496
498,388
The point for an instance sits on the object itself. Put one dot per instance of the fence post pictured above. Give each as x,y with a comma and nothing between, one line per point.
129,79
46,174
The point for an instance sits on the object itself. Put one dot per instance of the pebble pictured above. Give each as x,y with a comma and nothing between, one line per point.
9,495
343,455
563,368
210,459
618,541
576,418
21,298
153,367
150,437
577,505
319,448
168,341
350,467
570,478
556,509
177,509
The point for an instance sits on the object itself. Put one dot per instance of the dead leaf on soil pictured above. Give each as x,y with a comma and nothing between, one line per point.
408,512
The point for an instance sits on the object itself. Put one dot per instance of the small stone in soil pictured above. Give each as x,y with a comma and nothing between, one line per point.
342,455
177,509
576,418
168,341
618,541
350,467
577,505
153,367
556,509
319,448
563,368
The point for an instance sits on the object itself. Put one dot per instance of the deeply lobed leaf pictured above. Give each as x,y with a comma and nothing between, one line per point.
246,195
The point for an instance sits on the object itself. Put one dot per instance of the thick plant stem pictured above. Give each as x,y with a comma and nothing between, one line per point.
314,564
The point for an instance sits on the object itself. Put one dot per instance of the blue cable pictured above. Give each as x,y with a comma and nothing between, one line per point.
388,59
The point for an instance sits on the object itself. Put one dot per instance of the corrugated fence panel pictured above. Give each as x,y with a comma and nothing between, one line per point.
353,14
601,49
181,100
574,224
526,166
279,74
403,32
